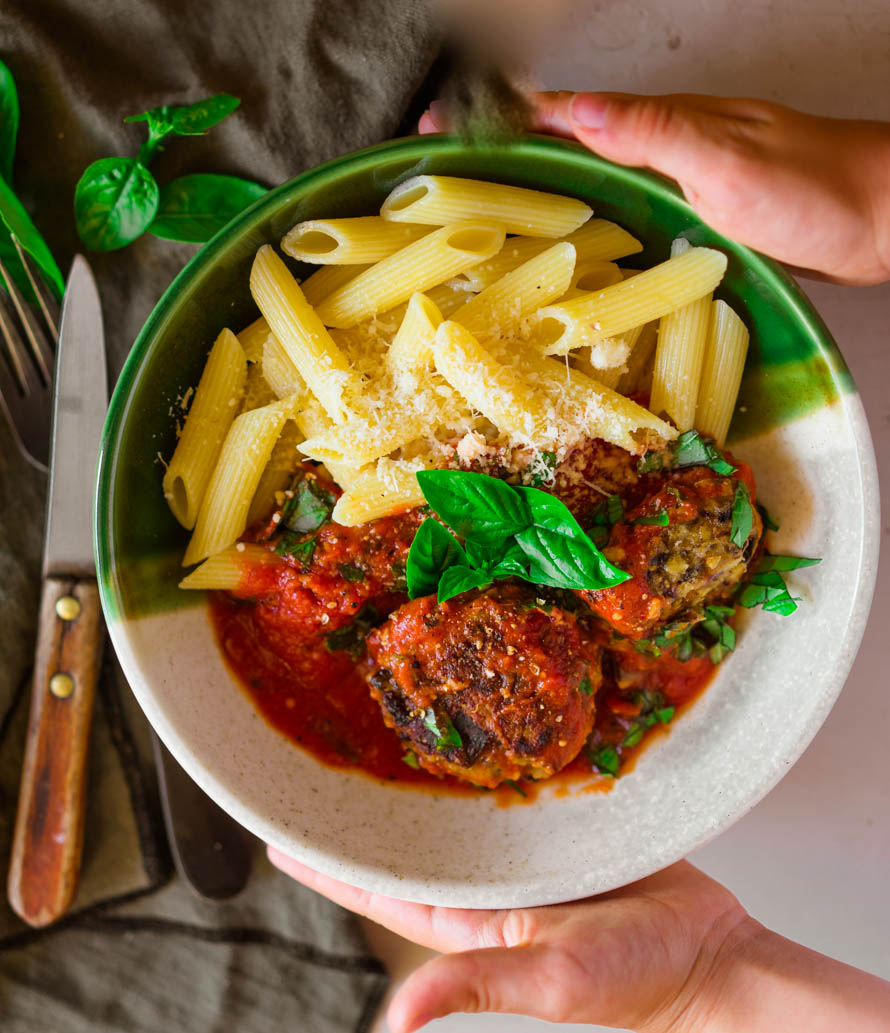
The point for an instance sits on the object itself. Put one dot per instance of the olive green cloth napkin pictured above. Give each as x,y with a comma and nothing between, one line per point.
317,78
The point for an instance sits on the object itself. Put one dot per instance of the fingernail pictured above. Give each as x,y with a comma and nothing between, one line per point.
588,110
438,112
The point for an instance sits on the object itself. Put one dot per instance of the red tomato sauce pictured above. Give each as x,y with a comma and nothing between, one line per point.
319,701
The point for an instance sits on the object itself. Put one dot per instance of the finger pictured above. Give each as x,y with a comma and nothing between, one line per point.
549,113
426,124
517,980
441,928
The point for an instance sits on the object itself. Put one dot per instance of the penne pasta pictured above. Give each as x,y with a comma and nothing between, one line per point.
679,356
253,338
361,441
222,517
214,407
411,349
388,487
490,387
598,240
425,263
277,475
349,241
302,335
326,279
257,391
725,354
637,378
498,310
280,373
590,360
612,311
594,275
227,570
440,200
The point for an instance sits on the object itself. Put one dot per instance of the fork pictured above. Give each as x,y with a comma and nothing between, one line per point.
26,363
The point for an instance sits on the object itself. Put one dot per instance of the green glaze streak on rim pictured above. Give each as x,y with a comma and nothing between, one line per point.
794,366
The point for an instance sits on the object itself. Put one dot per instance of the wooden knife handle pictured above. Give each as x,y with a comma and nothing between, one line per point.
48,836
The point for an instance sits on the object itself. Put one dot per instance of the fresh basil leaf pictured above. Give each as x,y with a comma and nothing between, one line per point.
514,785
17,221
769,522
770,562
351,637
114,203
477,507
187,119
308,508
449,737
606,760
302,549
194,208
350,572
658,520
411,761
742,516
586,686
432,552
457,579
690,449
195,119
9,121
563,560
485,557
512,564
720,612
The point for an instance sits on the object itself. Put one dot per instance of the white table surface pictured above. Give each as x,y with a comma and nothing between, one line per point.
812,859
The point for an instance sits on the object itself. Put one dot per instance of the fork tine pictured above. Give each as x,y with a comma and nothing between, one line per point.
15,350
12,403
40,348
45,300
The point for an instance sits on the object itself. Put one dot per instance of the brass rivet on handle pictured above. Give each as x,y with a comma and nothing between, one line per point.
61,685
68,608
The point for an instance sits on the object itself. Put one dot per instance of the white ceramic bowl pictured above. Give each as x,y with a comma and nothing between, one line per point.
805,435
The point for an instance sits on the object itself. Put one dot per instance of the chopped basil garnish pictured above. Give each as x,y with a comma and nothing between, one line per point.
351,637
517,787
657,520
604,518
433,551
769,522
691,449
770,562
742,516
635,734
299,546
308,507
449,737
606,760
411,761
650,462
769,591
400,577
544,470
351,572
586,686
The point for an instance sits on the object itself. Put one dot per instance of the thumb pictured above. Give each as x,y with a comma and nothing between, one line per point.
517,980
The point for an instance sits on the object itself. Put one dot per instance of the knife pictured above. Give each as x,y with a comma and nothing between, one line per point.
48,835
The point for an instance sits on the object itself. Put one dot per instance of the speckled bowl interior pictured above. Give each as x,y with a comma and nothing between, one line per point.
800,424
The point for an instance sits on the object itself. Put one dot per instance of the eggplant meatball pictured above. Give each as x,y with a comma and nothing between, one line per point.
678,566
488,686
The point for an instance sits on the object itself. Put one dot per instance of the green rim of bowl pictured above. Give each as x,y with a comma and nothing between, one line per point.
801,370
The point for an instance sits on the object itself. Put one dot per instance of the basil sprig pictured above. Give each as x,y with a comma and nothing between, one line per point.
604,518
307,509
117,199
509,532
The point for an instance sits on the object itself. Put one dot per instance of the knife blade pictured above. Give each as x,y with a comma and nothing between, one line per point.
48,835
